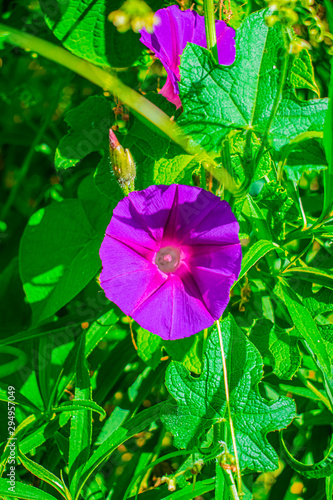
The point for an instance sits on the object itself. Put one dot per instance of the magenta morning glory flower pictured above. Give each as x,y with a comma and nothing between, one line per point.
170,256
172,32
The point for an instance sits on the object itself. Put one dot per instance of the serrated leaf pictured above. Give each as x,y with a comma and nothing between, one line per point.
83,28
302,74
217,99
201,401
58,256
280,346
77,405
171,170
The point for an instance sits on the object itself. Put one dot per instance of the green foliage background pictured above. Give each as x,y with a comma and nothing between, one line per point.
103,408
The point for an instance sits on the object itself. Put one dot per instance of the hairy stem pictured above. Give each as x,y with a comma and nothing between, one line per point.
210,28
227,398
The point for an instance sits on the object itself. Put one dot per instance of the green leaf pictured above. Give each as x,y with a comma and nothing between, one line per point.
126,431
305,156
302,74
280,346
316,303
201,401
59,255
237,143
89,131
188,351
83,28
251,219
217,99
321,469
149,347
328,135
81,421
24,491
258,250
42,473
311,274
19,398
201,487
305,324
171,170
42,434
280,206
77,405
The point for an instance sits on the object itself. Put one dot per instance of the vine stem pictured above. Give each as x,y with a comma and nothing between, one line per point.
128,96
103,79
227,398
210,28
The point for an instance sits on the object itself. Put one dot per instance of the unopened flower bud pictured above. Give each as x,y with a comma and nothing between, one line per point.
291,16
122,162
119,19
271,20
171,482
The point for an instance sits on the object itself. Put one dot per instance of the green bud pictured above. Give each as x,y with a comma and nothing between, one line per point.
122,163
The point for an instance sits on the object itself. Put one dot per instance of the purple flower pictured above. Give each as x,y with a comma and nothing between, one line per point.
174,29
170,256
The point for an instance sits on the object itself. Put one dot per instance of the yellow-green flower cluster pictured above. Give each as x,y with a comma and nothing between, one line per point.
133,14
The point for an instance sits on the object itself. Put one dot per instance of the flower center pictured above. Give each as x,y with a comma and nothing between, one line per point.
167,259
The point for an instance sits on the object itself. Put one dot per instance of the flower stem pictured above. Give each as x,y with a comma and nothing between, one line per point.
227,398
210,28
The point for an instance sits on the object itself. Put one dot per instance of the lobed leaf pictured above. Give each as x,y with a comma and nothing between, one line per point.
217,99
201,401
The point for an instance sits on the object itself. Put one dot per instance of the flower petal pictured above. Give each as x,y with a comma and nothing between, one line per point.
174,30
215,226
173,311
224,259
191,206
141,216
127,278
226,44
215,288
